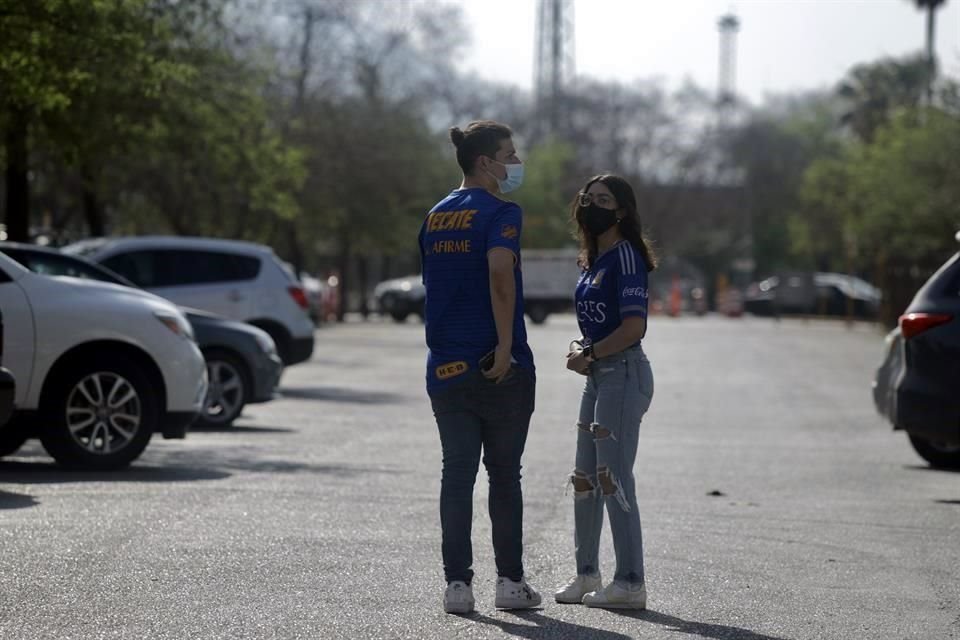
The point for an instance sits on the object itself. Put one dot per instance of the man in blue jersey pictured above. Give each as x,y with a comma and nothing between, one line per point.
480,372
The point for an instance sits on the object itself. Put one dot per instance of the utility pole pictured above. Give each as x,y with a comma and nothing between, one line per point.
931,6
729,26
554,63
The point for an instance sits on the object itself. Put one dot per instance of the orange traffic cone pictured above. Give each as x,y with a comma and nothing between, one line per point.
675,297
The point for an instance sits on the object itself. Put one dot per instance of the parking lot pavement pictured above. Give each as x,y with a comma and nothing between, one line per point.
775,504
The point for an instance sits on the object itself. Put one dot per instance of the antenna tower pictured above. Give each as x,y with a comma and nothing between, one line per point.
554,62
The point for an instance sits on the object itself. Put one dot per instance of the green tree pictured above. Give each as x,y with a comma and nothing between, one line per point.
545,196
59,54
875,91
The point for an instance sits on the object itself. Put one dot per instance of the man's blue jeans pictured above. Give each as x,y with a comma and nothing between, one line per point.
479,414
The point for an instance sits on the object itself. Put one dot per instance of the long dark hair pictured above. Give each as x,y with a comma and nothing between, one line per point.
630,227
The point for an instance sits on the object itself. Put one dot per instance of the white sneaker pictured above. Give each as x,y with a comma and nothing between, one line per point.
458,598
577,588
516,595
613,596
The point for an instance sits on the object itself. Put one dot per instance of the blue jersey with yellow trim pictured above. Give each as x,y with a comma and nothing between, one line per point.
614,288
454,240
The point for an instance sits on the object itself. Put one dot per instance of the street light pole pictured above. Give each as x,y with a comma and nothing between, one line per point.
931,6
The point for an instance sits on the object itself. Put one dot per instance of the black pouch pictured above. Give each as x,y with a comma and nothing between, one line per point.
487,361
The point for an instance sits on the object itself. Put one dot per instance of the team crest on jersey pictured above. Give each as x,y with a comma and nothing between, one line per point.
597,279
451,370
509,231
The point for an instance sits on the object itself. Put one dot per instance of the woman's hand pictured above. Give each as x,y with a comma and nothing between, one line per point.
576,362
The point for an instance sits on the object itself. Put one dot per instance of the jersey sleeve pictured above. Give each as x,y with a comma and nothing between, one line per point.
632,286
505,227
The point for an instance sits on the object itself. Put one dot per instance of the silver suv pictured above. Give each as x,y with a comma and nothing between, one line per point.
238,280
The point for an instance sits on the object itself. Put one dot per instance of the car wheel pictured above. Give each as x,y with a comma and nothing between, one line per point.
99,415
399,316
13,435
538,314
228,390
938,454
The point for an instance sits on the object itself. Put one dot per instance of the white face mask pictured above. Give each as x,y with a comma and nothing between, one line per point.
514,177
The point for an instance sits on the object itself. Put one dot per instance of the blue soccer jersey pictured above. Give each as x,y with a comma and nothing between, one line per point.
613,289
455,238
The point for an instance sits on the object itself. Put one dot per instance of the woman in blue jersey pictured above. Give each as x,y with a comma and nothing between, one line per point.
611,304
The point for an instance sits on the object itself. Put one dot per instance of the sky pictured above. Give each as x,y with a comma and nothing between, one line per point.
783,45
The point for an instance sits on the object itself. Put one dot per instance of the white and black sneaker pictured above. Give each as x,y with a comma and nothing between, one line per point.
458,598
516,595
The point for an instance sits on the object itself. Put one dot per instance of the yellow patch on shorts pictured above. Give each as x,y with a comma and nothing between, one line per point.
451,370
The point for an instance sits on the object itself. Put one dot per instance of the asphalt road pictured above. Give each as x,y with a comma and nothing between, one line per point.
775,504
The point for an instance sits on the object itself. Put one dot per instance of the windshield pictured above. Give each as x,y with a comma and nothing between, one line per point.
54,264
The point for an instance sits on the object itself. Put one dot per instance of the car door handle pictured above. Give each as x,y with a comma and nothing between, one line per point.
235,296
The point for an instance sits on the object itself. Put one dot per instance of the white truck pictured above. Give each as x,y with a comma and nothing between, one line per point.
549,278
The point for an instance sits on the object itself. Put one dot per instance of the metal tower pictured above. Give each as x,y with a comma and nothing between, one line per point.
729,25
554,66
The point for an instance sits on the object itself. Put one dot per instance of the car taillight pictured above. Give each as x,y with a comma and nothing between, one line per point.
299,297
913,324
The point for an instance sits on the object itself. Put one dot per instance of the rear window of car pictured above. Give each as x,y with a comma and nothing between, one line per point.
178,267
951,270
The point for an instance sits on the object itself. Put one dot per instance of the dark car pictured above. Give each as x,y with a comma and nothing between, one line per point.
8,385
822,293
917,387
243,366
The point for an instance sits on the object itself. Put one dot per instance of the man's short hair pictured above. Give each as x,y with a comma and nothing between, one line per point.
481,138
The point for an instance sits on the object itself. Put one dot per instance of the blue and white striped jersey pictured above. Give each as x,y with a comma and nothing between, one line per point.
613,289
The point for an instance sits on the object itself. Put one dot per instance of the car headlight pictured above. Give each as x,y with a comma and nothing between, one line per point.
176,323
266,343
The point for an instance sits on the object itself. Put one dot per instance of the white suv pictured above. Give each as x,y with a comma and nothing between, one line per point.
98,367
239,280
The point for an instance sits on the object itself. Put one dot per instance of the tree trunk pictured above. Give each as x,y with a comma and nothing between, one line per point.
18,182
92,209
343,265
363,277
296,254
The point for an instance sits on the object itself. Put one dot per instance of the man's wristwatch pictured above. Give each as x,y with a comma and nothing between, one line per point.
587,353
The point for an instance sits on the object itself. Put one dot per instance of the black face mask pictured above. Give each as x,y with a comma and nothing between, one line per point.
598,220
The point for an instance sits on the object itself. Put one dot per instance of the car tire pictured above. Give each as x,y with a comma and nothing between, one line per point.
538,314
99,415
399,316
229,390
940,455
13,435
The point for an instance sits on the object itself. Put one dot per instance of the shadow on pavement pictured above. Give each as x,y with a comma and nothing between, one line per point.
923,467
341,394
689,627
10,500
240,429
546,628
956,502
46,471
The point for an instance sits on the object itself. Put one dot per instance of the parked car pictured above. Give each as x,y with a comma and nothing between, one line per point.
99,367
400,297
549,278
243,366
917,387
812,293
8,386
237,280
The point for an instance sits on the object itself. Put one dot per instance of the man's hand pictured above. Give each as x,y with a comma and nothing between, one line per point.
501,365
576,362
